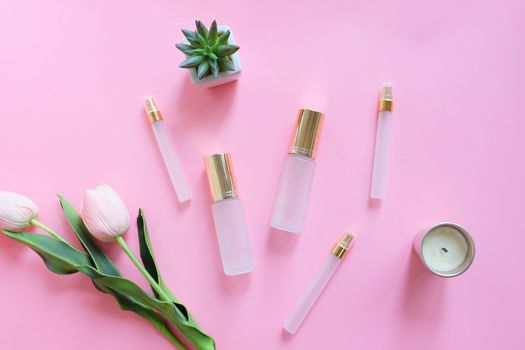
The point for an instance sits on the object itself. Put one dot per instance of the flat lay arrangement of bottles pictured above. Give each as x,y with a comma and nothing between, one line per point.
445,249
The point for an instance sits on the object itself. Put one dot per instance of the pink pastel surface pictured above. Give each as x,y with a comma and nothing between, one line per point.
73,74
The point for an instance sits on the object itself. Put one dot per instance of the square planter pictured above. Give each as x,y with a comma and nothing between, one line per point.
224,77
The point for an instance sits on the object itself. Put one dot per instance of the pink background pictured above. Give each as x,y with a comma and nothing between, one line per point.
73,74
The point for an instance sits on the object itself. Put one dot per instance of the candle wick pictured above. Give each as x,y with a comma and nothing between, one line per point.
445,250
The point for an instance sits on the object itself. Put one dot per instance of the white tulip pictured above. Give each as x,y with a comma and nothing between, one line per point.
16,212
104,213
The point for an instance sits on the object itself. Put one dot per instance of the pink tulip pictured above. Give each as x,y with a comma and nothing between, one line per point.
16,212
104,213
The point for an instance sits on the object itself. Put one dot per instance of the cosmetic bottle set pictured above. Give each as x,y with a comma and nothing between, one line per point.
446,249
289,211
228,213
291,202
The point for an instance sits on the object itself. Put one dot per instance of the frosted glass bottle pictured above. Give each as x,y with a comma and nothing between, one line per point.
293,193
232,235
381,152
171,160
317,285
228,216
312,293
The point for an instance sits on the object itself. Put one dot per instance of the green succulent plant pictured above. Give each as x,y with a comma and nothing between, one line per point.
208,51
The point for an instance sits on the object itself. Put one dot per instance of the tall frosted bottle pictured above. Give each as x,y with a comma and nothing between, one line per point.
381,152
320,281
171,160
289,211
228,216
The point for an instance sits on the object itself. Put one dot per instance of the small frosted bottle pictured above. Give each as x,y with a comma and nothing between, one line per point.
293,194
319,282
228,216
381,153
171,160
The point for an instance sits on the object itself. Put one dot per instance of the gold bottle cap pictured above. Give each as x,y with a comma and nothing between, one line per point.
341,247
221,177
152,110
306,135
386,98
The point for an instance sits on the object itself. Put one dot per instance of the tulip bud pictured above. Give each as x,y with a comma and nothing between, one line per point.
16,212
104,213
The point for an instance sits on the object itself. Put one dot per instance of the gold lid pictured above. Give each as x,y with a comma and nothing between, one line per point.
306,135
221,177
386,99
341,247
152,110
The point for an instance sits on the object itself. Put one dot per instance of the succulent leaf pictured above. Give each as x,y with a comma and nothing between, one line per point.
196,44
192,61
226,50
190,35
223,37
195,52
226,64
202,40
203,69
184,48
201,29
214,68
212,34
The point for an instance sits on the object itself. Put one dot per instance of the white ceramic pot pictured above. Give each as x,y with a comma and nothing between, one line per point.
223,77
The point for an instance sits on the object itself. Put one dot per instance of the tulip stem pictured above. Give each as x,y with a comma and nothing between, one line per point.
37,223
142,269
122,243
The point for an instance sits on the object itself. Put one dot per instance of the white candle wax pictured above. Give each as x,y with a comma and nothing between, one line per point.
444,248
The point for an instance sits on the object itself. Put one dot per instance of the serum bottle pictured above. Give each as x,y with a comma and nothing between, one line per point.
228,216
318,284
171,160
381,152
291,203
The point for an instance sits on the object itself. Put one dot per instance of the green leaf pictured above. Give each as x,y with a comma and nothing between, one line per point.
184,48
192,38
127,303
201,29
203,69
58,256
223,37
200,52
226,50
226,64
148,259
189,34
146,250
201,40
191,62
127,287
101,261
196,44
214,68
213,35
